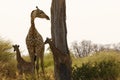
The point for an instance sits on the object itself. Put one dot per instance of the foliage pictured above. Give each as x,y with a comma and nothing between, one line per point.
102,67
48,60
5,54
7,63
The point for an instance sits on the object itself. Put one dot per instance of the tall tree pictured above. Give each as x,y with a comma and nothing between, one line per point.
62,69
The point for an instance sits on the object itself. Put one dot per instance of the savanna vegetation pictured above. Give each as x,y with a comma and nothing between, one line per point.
103,65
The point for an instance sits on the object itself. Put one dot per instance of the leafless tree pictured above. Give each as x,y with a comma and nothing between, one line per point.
116,46
83,48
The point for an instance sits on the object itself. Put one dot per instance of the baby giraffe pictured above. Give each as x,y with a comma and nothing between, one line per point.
61,57
61,60
22,65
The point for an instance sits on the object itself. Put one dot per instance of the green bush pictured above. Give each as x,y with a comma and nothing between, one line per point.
106,69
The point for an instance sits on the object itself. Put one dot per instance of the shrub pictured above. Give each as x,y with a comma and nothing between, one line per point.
7,62
106,69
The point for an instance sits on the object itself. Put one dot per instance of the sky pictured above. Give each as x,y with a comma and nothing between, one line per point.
95,20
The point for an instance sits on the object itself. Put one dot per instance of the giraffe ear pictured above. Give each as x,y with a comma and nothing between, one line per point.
37,7
47,38
50,39
18,45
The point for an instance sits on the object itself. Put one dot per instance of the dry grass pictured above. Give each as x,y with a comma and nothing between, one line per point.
8,70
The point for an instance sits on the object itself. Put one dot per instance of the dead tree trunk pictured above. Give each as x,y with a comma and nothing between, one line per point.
62,70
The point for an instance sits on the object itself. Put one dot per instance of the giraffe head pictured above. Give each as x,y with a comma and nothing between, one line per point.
15,47
39,13
47,40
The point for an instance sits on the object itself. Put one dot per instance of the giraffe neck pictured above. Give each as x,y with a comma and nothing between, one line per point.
32,22
54,49
52,46
32,28
19,58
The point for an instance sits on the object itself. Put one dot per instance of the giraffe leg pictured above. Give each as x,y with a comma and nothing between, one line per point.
40,54
37,64
42,65
42,59
32,55
31,52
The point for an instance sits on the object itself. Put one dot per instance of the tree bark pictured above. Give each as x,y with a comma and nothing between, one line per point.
62,70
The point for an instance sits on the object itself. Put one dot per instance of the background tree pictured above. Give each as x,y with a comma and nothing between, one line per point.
116,46
86,47
76,49
83,48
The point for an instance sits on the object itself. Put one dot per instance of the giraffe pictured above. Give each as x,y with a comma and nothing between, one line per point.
56,52
22,65
61,60
34,40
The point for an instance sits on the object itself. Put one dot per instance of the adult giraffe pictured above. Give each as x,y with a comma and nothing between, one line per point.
34,40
